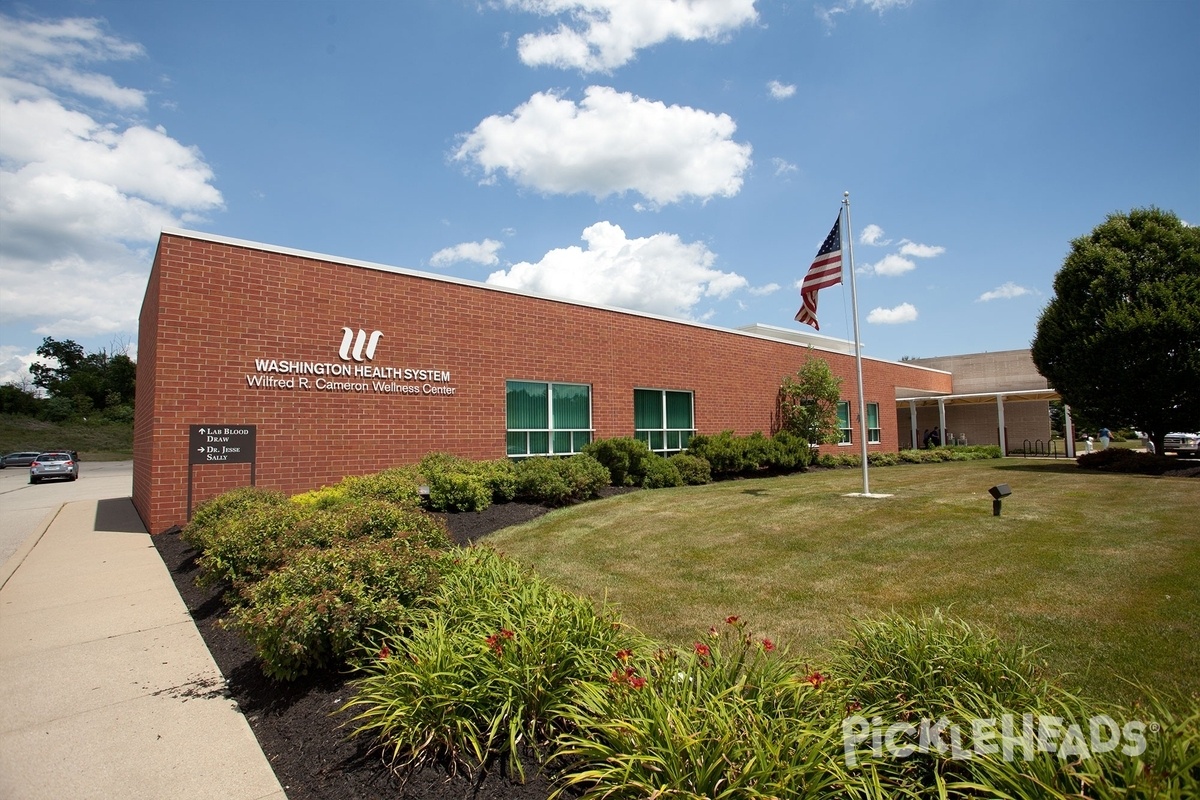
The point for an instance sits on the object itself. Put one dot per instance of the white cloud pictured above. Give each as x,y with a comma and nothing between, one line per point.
873,235
610,143
50,54
905,312
658,274
920,250
783,167
480,252
83,193
781,91
828,15
14,366
1005,292
762,291
601,35
891,265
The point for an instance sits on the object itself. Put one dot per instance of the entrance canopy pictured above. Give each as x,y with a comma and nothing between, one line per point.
941,401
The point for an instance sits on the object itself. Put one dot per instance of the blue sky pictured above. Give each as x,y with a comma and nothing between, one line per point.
685,159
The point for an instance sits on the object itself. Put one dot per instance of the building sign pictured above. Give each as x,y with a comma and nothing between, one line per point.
221,444
353,374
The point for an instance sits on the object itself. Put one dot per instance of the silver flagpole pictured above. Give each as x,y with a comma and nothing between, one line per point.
862,417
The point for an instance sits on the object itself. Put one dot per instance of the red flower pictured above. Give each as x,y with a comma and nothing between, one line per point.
768,645
384,653
495,645
731,620
506,633
617,676
637,681
816,679
701,649
712,632
624,655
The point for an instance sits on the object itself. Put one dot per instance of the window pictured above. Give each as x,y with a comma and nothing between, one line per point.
548,418
843,412
663,419
873,433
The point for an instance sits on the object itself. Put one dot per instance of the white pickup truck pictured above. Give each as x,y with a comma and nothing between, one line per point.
1182,444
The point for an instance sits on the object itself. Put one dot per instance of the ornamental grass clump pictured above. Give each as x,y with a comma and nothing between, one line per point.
969,715
490,669
730,716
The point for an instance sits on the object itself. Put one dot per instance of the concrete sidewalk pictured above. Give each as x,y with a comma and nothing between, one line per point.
106,687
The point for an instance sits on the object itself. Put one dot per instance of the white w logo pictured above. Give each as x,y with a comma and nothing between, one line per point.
348,336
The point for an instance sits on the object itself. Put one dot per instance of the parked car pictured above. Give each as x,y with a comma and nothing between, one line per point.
23,459
53,465
1183,444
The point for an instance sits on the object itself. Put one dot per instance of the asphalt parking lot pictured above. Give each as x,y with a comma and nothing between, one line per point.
23,507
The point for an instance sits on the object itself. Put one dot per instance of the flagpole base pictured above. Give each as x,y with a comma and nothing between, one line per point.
870,495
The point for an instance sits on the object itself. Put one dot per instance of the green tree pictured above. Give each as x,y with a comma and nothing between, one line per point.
807,402
1120,340
18,398
88,381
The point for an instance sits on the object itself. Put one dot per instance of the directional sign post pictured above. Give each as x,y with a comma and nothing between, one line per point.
221,444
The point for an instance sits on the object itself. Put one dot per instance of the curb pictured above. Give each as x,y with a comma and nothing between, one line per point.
15,560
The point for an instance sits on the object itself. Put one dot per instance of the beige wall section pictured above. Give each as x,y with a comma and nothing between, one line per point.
1002,371
976,421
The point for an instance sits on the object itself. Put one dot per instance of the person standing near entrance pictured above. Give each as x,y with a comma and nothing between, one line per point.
1105,435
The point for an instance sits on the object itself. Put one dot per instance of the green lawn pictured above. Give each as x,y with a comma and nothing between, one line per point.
1102,572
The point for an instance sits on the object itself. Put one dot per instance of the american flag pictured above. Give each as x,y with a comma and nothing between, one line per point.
825,271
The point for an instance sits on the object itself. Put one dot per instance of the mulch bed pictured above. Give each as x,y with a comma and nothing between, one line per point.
307,747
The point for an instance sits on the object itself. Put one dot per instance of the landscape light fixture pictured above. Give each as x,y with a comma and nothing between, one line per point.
998,492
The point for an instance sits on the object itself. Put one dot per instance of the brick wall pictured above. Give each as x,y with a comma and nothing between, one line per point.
214,306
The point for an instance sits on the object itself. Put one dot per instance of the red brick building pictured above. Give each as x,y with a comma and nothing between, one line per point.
321,367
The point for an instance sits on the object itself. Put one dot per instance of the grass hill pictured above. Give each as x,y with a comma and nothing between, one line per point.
99,440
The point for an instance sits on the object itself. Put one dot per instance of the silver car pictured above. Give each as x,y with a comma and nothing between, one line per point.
54,465
23,459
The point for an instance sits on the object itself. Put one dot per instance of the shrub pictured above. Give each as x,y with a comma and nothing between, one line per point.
725,453
759,452
211,516
325,497
882,459
693,469
263,538
791,452
556,481
661,474
625,458
1124,460
325,604
247,544
501,477
399,485
492,666
585,475
458,491
457,484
